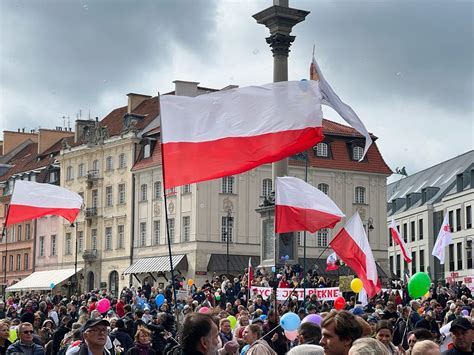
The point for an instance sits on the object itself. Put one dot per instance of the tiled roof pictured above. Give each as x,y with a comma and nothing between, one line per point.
153,160
331,127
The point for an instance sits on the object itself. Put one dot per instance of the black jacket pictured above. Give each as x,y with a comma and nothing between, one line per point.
58,336
123,337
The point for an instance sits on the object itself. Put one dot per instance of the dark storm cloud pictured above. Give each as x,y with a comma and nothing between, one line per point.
74,51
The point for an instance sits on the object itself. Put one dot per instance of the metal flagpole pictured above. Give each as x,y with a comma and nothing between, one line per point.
4,235
304,232
76,285
166,210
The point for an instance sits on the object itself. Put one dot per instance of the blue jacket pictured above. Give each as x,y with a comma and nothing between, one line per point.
20,348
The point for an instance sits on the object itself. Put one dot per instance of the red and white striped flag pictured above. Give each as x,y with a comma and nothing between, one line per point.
231,131
352,247
398,240
301,206
250,272
331,262
32,200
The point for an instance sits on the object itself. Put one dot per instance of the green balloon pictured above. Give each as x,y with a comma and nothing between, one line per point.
419,285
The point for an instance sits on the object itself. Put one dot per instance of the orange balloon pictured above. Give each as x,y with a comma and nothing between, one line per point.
190,282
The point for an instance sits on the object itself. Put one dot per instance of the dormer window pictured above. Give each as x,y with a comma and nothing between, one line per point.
357,152
147,151
321,150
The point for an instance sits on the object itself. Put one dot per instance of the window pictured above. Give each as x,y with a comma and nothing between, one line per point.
13,234
69,173
171,229
11,262
390,239
20,230
80,241
357,152
422,260
228,185
27,231
121,194
412,231
451,257
398,267
459,256
405,232
108,196
413,262
186,228
41,246
267,186
322,237
299,239
122,161
53,176
94,198
420,228
53,245
143,192
156,232
321,150
170,192
451,222
391,264
81,170
109,164
4,262
458,219
186,189
26,261
146,151
227,229
468,217
95,166
108,238
360,195
94,239
68,244
157,190
324,188
142,241
469,254
121,236
18,261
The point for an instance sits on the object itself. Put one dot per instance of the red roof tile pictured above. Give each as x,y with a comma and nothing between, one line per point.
153,160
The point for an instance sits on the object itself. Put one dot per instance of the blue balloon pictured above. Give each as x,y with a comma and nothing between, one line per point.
286,257
290,321
263,317
52,285
273,268
159,299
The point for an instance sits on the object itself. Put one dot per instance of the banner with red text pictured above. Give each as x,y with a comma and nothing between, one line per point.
323,294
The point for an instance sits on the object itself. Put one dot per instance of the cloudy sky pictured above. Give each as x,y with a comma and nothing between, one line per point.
405,66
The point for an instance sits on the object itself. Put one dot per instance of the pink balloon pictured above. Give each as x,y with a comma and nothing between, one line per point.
103,305
312,318
203,310
291,335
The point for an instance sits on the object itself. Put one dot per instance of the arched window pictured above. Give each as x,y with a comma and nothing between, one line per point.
360,195
321,150
95,166
357,152
114,282
324,188
266,187
143,192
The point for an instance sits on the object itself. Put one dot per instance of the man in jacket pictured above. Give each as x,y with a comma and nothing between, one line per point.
59,333
25,344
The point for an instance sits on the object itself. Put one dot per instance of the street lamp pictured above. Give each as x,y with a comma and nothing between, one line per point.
227,234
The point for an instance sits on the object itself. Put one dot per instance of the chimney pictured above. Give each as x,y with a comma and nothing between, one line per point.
48,137
12,139
80,125
186,88
134,100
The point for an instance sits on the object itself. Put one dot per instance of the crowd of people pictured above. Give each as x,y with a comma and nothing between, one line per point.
221,316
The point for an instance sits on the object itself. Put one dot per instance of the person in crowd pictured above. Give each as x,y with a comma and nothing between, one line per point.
401,328
339,330
4,334
384,334
309,333
142,343
257,346
95,335
368,346
199,335
462,334
426,347
428,322
418,335
306,349
25,343
275,336
60,332
121,335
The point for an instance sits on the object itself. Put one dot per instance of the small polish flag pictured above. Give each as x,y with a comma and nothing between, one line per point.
443,240
32,200
398,240
352,246
331,262
301,206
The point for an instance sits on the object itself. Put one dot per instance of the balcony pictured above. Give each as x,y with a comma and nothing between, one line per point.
90,255
91,212
92,177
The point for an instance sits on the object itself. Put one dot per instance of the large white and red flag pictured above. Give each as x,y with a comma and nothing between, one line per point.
250,271
398,240
232,131
330,98
32,200
352,247
443,240
301,206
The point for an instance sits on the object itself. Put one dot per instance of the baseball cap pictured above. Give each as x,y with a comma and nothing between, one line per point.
93,322
257,320
462,323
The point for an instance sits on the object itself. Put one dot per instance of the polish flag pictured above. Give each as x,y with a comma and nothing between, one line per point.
398,240
250,272
444,239
231,131
352,247
331,262
301,206
32,200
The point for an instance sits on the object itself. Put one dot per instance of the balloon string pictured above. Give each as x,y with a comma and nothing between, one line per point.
263,336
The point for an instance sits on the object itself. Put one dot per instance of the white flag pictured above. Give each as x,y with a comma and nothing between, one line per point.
330,98
443,240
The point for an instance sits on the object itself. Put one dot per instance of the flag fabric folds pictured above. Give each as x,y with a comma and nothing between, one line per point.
352,247
32,200
331,262
232,131
250,272
301,206
330,98
398,240
443,240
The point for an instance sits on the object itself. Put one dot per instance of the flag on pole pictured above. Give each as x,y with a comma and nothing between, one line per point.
301,206
250,272
398,240
443,240
330,98
32,200
331,262
352,247
232,131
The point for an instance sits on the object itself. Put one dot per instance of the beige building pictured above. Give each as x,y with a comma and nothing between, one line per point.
418,204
